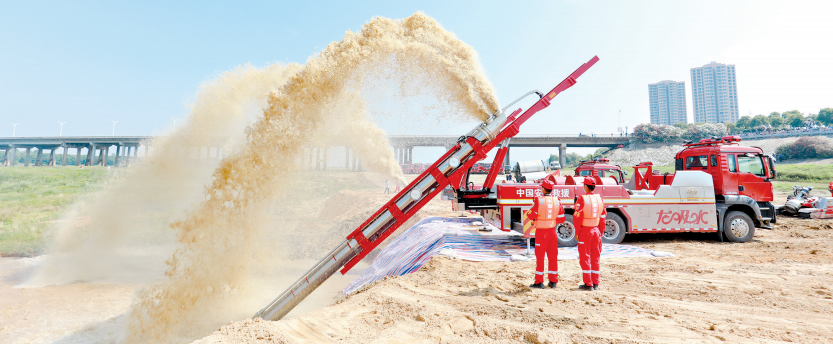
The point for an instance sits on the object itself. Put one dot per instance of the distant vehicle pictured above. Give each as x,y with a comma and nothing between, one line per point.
555,165
601,167
529,170
418,168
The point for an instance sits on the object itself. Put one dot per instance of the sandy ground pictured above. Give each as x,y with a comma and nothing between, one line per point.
43,315
778,288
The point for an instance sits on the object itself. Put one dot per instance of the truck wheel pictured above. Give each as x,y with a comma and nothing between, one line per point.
566,232
738,227
614,230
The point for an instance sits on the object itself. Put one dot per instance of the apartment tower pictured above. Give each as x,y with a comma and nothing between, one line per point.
714,93
667,101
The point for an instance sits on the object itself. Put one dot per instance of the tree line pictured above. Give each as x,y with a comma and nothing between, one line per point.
781,121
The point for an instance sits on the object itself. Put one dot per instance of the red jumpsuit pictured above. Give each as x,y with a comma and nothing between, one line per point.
588,212
547,213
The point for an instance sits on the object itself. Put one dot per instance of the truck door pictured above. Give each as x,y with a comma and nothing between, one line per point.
730,179
752,178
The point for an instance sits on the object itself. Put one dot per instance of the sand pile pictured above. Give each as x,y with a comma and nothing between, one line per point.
208,277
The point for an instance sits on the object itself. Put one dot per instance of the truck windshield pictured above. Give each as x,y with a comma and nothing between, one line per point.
610,173
751,164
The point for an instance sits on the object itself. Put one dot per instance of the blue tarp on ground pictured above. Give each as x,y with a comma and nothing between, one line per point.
458,237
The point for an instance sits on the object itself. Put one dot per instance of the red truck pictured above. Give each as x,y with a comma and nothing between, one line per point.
718,186
600,167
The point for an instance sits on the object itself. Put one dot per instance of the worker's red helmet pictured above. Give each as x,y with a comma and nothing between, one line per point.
589,181
547,184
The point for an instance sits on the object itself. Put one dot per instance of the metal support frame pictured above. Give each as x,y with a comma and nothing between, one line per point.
448,170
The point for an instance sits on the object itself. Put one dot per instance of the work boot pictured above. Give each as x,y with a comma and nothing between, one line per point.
537,285
585,287
596,287
552,284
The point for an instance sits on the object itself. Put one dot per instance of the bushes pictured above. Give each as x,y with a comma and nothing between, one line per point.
650,133
808,147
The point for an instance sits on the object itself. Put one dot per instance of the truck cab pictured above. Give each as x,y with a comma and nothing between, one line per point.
741,175
602,168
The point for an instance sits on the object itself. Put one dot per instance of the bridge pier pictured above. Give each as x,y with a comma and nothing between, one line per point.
52,157
64,158
324,162
13,158
562,154
318,154
102,160
26,162
39,157
118,153
90,154
9,156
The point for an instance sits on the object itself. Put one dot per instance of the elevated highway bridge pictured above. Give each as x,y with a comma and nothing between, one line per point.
97,148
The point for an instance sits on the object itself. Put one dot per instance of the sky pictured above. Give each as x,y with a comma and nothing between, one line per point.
141,63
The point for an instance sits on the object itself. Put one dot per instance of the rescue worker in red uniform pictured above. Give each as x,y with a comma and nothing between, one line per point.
547,213
588,218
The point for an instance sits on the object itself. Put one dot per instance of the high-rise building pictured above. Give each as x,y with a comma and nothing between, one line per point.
667,101
714,93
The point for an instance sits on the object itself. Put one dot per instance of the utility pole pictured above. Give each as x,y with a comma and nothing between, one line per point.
14,128
114,127
60,133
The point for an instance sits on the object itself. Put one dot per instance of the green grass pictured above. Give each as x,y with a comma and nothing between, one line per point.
804,173
819,189
32,198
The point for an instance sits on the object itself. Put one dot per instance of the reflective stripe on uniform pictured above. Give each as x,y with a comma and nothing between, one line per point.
586,271
537,244
560,216
581,242
595,272
553,272
539,273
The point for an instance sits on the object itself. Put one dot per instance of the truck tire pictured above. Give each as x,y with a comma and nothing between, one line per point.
738,227
566,232
614,230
